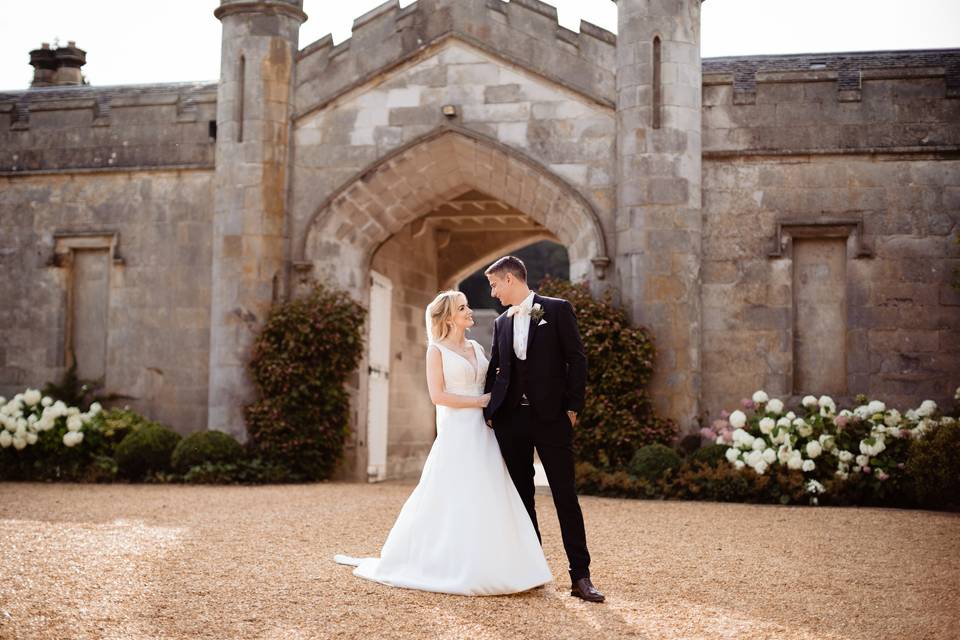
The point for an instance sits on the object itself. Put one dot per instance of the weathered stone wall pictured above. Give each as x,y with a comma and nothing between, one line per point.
84,127
564,132
158,288
412,425
131,167
800,155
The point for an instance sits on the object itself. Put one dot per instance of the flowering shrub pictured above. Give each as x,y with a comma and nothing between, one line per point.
301,361
30,413
863,451
618,416
39,439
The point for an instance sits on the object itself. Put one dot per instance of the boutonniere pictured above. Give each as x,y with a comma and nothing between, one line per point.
536,313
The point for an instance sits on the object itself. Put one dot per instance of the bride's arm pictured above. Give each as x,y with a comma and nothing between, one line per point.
438,395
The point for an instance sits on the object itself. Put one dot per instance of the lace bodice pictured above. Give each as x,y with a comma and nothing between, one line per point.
459,375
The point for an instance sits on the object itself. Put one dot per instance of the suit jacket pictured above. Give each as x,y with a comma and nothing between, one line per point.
557,364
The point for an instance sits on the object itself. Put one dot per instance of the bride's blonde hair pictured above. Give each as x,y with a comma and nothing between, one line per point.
438,314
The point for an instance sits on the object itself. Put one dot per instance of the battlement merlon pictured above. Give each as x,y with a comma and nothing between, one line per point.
522,32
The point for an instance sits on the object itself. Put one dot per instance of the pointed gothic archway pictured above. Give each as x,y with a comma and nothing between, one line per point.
348,227
426,214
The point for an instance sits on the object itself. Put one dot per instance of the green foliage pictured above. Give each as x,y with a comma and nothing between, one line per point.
145,451
75,392
215,447
653,461
301,360
712,454
252,471
934,466
618,417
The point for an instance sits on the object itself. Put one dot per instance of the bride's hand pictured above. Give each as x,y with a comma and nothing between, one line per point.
484,400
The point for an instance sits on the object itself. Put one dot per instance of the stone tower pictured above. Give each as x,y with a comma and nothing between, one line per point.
658,193
254,102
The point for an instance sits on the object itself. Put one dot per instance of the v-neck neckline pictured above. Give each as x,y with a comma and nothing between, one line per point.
475,368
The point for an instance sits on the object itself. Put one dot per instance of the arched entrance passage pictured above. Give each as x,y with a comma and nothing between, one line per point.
346,229
418,220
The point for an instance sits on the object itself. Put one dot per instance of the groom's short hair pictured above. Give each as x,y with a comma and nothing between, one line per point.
508,264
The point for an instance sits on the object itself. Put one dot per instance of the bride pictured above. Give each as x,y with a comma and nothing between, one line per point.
464,529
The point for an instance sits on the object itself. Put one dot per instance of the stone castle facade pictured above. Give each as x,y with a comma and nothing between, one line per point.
779,222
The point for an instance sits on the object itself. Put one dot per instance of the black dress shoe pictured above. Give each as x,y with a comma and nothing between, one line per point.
585,590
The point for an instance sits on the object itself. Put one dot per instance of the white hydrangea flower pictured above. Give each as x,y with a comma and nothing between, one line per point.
719,440
778,436
791,415
803,428
784,423
47,401
809,402
739,464
875,407
815,487
795,461
814,449
95,408
19,442
767,425
738,419
32,397
72,438
845,413
784,453
742,439
31,438
5,439
808,466
760,397
892,418
947,420
827,442
927,408
732,454
74,423
759,444
769,455
760,467
863,460
775,406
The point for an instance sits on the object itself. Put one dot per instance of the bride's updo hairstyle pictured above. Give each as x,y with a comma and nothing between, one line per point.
439,314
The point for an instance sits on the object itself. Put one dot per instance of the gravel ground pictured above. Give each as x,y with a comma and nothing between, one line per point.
122,561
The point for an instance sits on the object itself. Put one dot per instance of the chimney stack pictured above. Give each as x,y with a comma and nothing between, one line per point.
60,66
44,63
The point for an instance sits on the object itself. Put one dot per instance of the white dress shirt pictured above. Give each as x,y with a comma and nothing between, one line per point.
521,326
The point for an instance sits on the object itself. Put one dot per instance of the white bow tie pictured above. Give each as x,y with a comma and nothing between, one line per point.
514,310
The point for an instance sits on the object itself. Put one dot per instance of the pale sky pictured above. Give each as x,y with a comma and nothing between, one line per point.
141,41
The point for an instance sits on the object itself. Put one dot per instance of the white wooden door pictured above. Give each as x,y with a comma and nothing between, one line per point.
381,290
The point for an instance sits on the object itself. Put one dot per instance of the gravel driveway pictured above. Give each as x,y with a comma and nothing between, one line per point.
123,561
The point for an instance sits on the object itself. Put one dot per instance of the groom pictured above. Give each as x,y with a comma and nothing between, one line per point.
536,378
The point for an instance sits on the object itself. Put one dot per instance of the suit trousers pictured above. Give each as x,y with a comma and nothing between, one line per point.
518,432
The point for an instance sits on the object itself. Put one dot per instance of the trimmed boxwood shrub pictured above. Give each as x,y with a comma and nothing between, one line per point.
711,455
618,415
652,462
215,447
934,466
145,451
301,360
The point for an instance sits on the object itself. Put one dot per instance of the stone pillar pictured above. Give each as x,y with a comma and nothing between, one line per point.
659,80
254,102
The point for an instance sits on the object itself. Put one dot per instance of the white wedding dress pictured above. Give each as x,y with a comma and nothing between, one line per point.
463,530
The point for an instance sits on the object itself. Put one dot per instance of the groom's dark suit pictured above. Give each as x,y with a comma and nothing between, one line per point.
528,405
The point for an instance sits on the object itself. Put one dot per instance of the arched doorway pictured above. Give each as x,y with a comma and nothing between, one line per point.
418,221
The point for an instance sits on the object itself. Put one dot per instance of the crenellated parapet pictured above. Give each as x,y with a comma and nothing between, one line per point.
865,102
62,128
522,32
